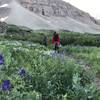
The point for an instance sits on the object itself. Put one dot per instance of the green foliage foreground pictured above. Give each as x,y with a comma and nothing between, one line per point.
50,78
90,56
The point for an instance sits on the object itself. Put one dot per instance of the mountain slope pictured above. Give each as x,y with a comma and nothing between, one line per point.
16,14
21,16
57,8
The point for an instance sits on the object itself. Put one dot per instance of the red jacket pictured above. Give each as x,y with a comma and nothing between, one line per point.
55,41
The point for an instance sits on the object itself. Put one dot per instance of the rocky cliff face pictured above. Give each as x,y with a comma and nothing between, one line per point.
57,8
45,7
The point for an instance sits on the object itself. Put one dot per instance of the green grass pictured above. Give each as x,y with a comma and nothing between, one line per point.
67,38
51,80
90,56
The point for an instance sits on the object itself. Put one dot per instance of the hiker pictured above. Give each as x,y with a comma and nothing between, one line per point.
45,40
56,41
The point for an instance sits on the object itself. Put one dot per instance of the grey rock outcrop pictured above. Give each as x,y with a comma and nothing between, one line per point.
50,7
57,8
3,27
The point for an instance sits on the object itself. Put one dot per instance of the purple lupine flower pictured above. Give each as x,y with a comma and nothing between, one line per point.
22,72
29,77
6,85
1,59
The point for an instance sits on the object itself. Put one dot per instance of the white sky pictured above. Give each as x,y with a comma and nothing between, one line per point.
90,6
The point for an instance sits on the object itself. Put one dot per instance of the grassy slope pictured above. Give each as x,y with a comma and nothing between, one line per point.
90,56
50,78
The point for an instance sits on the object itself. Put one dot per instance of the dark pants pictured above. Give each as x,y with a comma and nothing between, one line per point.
56,46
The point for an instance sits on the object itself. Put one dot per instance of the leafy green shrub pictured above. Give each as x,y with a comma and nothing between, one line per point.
67,38
51,79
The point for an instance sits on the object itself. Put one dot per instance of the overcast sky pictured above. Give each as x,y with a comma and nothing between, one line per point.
90,6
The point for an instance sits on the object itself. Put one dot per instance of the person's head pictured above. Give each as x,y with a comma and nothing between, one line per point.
54,34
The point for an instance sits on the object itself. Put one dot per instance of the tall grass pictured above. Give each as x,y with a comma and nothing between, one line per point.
50,79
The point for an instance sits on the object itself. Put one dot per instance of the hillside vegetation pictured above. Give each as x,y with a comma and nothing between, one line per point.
36,75
67,38
30,71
